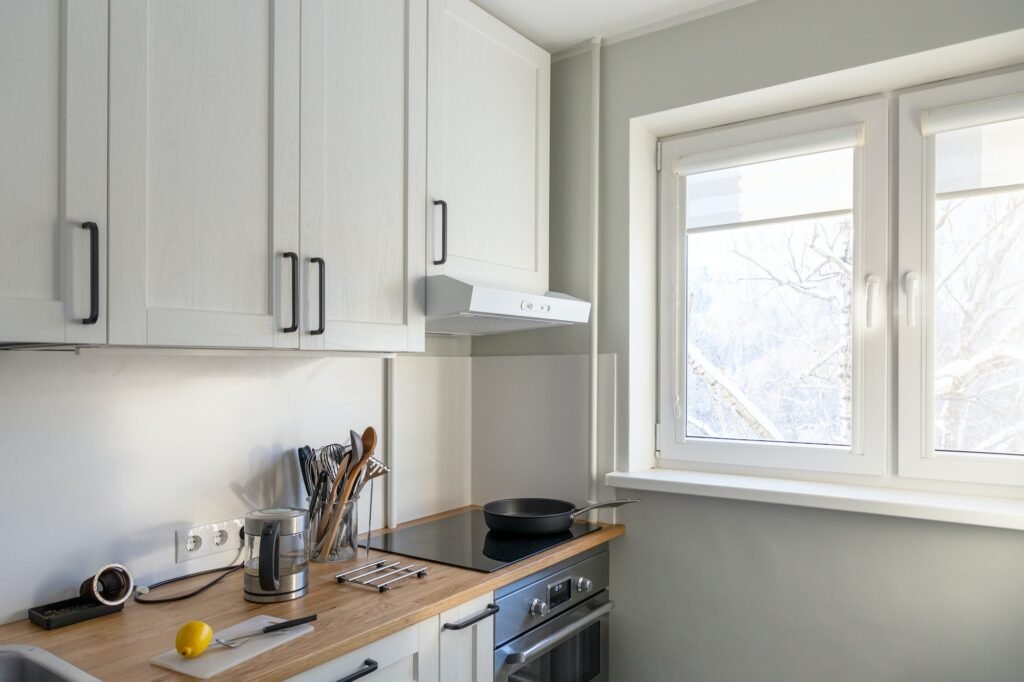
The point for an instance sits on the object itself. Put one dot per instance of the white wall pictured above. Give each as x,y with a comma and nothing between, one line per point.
432,417
105,455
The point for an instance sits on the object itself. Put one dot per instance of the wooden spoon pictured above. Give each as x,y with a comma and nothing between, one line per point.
340,477
367,445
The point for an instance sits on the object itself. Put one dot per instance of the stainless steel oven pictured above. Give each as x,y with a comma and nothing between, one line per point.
553,625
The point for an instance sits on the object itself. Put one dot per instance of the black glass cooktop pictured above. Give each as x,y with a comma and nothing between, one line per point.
464,540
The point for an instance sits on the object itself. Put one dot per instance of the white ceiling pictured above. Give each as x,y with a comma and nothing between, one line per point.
559,24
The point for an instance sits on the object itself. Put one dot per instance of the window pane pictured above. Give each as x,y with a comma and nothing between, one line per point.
769,354
800,185
979,319
982,156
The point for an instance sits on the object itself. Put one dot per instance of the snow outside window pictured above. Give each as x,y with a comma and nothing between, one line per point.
773,259
961,343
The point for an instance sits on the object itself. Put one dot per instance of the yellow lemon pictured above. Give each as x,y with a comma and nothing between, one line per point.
193,638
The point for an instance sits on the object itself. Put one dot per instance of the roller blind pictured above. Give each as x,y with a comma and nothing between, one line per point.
971,114
785,179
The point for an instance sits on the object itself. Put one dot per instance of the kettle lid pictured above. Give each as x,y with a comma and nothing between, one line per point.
291,519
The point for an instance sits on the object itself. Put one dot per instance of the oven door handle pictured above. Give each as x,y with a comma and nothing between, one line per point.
517,659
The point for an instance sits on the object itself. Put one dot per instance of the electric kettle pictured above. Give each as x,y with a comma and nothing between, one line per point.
276,554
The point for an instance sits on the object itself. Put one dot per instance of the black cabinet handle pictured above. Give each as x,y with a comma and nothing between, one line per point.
94,272
294,258
444,231
473,620
323,293
369,666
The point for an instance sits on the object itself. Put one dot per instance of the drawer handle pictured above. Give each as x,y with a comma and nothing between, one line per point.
294,258
369,666
444,231
323,293
94,272
473,620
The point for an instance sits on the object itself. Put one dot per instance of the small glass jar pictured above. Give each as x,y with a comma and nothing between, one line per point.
340,544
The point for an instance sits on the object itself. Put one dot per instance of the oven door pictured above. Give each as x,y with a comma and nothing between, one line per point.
572,647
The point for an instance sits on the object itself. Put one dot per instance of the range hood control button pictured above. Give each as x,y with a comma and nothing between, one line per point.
526,305
539,608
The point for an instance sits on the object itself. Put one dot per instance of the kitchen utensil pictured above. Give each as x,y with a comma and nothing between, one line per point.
360,445
218,659
100,594
340,543
316,500
277,561
369,522
238,640
374,469
308,480
339,478
112,585
537,515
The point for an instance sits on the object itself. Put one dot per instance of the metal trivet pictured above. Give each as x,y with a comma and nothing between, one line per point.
383,569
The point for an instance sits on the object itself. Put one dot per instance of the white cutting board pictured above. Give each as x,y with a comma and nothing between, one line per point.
216,659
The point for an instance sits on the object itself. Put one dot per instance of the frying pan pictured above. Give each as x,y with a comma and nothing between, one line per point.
537,515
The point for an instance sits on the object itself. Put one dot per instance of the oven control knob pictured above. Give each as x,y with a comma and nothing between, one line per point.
539,608
584,585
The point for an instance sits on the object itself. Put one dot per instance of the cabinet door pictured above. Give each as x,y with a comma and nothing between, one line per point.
409,655
364,173
467,654
489,117
204,107
53,165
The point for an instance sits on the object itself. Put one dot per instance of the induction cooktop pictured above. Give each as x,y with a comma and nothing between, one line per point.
465,541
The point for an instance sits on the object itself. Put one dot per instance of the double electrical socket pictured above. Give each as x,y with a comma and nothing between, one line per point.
207,539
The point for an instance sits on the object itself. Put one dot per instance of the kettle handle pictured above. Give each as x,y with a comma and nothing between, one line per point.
270,566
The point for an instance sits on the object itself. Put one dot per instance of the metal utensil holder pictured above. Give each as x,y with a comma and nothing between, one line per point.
381,574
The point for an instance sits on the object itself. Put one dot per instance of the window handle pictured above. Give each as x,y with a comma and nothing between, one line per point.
912,292
870,297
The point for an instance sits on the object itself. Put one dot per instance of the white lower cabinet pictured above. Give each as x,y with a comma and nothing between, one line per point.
409,655
458,646
467,643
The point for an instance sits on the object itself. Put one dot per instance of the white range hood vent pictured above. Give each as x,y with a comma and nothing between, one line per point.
458,307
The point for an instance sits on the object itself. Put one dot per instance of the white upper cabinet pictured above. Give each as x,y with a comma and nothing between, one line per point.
204,172
363,187
53,164
489,108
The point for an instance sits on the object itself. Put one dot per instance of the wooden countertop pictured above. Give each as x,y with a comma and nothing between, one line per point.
119,646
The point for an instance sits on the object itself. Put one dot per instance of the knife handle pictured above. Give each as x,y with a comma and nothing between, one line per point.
285,624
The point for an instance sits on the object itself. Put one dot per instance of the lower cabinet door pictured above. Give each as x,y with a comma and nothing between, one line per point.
467,643
409,655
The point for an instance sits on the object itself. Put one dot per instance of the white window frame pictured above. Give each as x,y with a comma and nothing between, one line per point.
868,453
916,452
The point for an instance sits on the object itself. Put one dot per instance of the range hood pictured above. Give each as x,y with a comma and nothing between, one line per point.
455,306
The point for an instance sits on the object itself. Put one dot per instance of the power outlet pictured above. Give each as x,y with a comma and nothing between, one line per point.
208,539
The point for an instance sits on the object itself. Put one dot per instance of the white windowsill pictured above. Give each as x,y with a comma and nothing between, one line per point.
915,504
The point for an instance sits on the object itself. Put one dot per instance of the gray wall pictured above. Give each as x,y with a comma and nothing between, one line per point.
722,590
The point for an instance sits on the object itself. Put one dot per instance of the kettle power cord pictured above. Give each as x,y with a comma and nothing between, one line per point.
224,571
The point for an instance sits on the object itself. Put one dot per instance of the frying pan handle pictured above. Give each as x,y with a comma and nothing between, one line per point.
610,503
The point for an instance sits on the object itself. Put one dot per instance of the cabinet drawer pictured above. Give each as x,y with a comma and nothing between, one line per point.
409,655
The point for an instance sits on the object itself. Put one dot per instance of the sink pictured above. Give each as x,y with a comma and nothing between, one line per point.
32,664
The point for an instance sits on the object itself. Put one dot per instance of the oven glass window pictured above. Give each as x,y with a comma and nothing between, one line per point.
575,660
